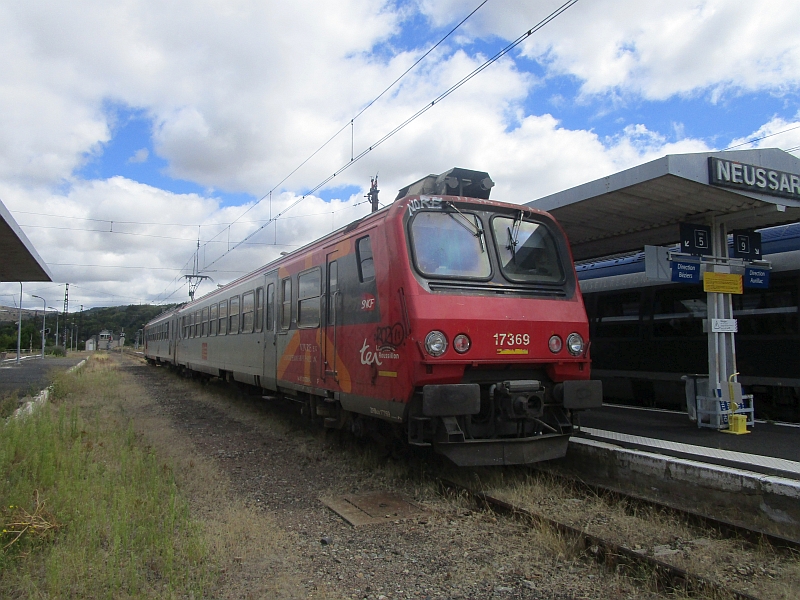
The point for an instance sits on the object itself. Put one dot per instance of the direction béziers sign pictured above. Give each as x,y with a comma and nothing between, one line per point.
684,271
726,173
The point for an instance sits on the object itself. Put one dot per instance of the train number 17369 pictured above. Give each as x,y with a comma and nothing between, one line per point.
512,339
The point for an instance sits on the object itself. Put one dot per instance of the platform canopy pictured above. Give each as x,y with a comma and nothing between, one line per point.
645,204
19,260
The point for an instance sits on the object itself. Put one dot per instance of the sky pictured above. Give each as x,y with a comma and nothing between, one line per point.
130,130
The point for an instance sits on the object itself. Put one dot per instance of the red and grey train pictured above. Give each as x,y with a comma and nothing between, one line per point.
457,319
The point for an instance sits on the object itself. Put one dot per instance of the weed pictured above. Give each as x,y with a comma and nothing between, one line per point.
8,404
114,522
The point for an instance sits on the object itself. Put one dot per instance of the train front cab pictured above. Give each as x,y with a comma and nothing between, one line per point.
500,329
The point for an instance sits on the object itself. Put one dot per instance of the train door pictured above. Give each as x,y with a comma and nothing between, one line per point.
270,377
333,318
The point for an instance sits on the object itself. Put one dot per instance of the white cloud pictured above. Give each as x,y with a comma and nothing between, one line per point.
139,156
121,238
776,133
653,49
239,93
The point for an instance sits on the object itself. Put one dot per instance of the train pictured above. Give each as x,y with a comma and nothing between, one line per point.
646,335
452,320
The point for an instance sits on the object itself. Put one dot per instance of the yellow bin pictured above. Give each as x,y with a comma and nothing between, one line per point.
737,424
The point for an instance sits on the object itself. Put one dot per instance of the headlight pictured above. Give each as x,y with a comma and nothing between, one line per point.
435,343
461,343
555,344
575,344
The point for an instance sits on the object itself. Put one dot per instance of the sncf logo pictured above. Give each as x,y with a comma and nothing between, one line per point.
367,302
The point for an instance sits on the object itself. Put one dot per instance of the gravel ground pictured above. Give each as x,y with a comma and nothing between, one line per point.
275,464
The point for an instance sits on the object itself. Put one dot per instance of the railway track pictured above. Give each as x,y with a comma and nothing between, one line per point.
725,528
614,556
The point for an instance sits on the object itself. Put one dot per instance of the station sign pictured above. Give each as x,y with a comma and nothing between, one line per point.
684,271
746,244
752,178
722,283
756,277
695,239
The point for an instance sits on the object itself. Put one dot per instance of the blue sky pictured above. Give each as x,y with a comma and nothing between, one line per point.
159,116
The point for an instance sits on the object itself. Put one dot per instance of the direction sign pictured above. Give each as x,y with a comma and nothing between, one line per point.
684,271
746,244
756,277
695,239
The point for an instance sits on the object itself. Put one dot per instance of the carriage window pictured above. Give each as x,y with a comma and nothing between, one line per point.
248,307
333,286
286,303
204,331
233,315
678,312
259,308
527,251
212,319
366,266
618,315
768,312
308,293
223,317
446,244
198,323
270,306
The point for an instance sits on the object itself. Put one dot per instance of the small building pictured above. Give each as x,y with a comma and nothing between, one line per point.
91,344
106,340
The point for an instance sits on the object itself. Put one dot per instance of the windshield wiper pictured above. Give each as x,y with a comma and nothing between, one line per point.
475,228
513,235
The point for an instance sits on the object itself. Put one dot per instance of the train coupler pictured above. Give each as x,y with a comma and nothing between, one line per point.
450,432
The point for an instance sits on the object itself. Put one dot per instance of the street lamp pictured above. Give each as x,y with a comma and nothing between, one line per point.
55,309
44,318
19,325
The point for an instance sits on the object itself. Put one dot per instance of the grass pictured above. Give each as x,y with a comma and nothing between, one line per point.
8,404
86,509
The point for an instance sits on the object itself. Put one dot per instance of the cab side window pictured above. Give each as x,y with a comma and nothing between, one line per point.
366,266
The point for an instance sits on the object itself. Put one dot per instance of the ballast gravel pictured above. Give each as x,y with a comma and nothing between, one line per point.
276,463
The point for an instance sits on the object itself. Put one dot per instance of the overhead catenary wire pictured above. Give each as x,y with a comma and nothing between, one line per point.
763,137
351,121
558,11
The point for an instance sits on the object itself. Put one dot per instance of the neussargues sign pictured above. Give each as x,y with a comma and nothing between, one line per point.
736,175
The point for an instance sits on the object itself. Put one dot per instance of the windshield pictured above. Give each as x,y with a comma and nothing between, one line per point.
527,251
450,244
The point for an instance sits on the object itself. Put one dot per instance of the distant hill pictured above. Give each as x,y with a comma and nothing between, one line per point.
119,318
10,314
114,318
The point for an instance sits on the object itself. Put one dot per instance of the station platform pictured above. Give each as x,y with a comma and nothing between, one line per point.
33,374
769,448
